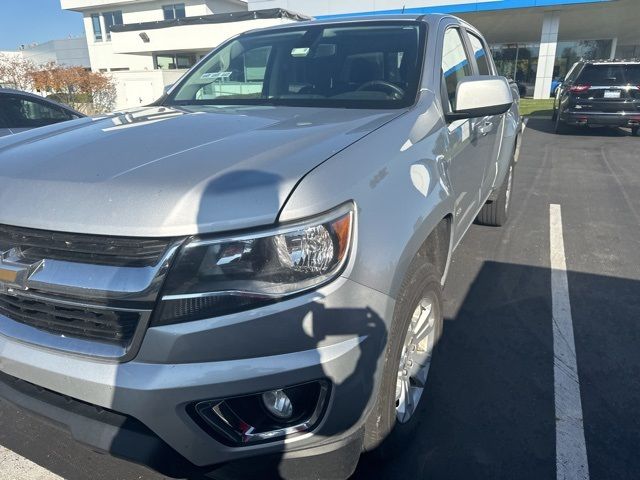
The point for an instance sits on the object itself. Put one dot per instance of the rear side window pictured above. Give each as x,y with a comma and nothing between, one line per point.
482,57
603,75
455,63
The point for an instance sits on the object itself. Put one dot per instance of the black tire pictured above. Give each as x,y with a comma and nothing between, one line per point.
383,434
558,126
495,213
634,131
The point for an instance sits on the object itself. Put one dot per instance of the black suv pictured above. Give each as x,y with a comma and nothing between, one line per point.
603,93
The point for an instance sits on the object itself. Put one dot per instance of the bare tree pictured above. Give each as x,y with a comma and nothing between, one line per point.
15,71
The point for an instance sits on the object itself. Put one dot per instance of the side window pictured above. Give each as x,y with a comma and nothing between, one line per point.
481,54
26,113
455,63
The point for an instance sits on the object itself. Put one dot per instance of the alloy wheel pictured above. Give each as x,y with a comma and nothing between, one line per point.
415,359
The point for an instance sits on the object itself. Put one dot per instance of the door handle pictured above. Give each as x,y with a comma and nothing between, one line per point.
485,128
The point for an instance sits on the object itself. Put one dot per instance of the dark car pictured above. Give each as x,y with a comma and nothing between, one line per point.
600,93
21,111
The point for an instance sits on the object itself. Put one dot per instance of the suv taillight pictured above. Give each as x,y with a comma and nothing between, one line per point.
579,88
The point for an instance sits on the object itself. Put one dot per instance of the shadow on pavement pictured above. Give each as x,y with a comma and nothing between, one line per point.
489,413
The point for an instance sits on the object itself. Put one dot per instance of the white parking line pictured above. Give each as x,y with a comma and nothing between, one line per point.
571,450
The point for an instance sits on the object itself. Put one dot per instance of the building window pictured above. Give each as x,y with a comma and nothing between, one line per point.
97,28
568,53
519,61
111,19
173,61
171,12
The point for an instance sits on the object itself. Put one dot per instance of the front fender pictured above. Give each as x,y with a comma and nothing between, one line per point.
396,176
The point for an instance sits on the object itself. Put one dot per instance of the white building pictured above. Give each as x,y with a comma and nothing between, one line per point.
533,41
72,52
148,44
109,52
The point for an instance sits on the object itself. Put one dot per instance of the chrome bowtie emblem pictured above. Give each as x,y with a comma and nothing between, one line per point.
15,270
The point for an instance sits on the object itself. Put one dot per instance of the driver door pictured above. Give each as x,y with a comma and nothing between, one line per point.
467,156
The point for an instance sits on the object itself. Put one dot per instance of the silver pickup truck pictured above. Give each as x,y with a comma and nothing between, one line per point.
253,266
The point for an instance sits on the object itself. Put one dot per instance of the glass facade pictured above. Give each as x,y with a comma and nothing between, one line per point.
519,61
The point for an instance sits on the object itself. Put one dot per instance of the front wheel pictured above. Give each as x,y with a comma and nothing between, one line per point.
416,328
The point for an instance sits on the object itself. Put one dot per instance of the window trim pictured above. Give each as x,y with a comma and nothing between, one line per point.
487,51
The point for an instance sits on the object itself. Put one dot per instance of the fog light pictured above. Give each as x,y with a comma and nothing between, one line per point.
263,417
278,404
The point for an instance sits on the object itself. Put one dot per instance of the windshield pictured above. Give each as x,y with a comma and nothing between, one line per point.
360,65
611,75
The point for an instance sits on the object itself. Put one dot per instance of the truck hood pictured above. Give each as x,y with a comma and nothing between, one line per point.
167,172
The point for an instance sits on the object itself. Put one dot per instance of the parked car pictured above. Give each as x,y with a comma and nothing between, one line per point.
600,93
20,111
555,84
254,265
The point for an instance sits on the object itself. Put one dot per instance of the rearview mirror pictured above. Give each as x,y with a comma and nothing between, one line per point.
481,96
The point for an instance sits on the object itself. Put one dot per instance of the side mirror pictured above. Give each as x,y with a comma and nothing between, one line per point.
481,96
168,87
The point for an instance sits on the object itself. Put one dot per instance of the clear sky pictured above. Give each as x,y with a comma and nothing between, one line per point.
28,21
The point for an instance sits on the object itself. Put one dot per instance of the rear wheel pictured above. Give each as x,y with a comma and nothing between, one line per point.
416,328
558,126
495,213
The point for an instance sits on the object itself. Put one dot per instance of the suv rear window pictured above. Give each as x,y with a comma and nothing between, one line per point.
610,75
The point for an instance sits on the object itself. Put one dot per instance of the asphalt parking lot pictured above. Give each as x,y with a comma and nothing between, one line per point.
491,409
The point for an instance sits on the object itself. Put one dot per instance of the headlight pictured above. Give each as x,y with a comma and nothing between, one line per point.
218,276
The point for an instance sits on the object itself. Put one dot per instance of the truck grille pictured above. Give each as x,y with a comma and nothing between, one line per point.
106,325
81,293
84,248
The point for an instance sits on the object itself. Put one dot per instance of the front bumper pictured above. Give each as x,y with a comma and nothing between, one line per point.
618,119
336,333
